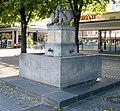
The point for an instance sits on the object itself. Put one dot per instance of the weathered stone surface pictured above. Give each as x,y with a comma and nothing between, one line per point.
60,72
61,34
61,41
65,49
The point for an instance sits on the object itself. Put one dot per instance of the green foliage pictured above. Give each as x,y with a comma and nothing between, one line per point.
46,39
29,41
23,11
10,9
96,7
39,9
91,6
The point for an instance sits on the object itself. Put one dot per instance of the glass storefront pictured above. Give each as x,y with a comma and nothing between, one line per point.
88,40
5,39
110,41
102,41
11,36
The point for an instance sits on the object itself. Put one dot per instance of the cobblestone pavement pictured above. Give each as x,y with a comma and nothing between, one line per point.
111,68
105,101
12,100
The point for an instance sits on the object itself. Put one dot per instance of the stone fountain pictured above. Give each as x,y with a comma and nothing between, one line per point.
60,66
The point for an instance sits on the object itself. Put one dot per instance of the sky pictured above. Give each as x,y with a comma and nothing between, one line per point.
114,7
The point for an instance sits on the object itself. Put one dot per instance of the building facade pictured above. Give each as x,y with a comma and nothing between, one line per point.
101,33
9,36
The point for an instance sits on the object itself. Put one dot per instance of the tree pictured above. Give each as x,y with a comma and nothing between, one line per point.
23,11
77,6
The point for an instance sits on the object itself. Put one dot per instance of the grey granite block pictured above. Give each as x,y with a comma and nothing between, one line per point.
60,72
59,98
27,86
83,96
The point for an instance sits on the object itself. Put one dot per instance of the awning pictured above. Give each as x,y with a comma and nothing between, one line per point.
100,25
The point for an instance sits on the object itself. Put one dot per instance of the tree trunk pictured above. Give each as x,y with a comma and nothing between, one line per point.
23,29
77,32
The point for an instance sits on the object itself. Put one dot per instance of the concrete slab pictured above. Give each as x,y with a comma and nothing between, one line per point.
28,86
60,98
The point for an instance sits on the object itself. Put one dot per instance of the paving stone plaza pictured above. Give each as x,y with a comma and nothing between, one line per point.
14,100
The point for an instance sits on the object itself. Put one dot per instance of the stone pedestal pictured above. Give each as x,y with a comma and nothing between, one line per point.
61,41
59,71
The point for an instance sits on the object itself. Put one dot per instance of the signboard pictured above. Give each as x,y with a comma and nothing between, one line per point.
88,17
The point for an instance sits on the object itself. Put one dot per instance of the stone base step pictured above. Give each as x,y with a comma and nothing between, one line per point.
60,98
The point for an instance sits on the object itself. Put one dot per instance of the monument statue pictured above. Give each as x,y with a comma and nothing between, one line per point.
60,17
66,16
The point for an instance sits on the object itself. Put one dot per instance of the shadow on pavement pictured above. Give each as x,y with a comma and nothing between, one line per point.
12,60
9,66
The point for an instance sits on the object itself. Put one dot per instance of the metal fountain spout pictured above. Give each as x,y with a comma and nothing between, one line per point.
50,50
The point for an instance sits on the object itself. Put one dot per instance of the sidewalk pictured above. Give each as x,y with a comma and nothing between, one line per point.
108,100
